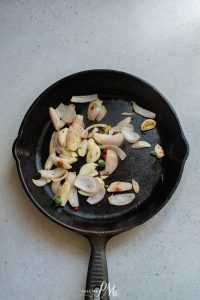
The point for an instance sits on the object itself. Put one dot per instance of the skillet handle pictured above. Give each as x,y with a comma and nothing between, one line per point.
97,276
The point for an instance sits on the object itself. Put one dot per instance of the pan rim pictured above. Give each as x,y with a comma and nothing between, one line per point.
100,232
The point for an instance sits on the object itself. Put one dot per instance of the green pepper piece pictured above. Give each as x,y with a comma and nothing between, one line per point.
101,163
153,153
57,201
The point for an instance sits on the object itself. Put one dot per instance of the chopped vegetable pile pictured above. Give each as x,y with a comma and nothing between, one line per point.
100,145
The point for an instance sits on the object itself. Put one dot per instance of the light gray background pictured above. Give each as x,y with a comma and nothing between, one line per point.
43,41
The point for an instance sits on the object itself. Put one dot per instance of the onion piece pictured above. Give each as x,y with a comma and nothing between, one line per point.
73,138
88,184
98,196
60,162
106,139
140,145
102,113
48,164
52,145
61,178
55,187
119,186
122,155
94,126
148,124
130,136
40,182
89,170
64,192
83,193
62,137
73,197
128,114
94,151
143,112
136,187
93,109
66,112
84,99
54,118
119,128
82,149
111,163
121,199
124,122
52,174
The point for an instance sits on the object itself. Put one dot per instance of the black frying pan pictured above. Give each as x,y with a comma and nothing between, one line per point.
158,178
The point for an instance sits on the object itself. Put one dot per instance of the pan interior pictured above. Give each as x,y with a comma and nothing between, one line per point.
139,164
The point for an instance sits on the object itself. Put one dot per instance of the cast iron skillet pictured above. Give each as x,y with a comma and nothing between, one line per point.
158,178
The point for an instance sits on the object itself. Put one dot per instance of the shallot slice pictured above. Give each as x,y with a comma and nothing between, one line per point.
124,122
148,125
119,186
130,136
88,184
60,162
119,128
40,182
122,155
83,193
101,114
55,187
95,126
66,112
143,112
106,139
89,170
54,118
94,151
121,199
136,187
64,192
52,174
48,164
73,197
140,145
111,163
94,109
98,196
84,99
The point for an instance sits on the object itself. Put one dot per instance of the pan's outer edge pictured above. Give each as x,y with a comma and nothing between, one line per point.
93,232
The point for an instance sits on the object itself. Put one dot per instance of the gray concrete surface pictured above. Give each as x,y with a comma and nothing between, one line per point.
43,41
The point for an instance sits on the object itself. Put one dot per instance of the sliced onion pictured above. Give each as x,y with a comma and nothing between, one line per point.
55,187
52,174
54,118
94,126
130,136
121,199
119,186
140,145
48,164
97,197
119,128
83,193
122,155
93,109
61,178
88,184
102,113
60,162
143,112
73,197
136,187
66,112
40,182
84,99
128,114
106,139
64,193
124,122
111,163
